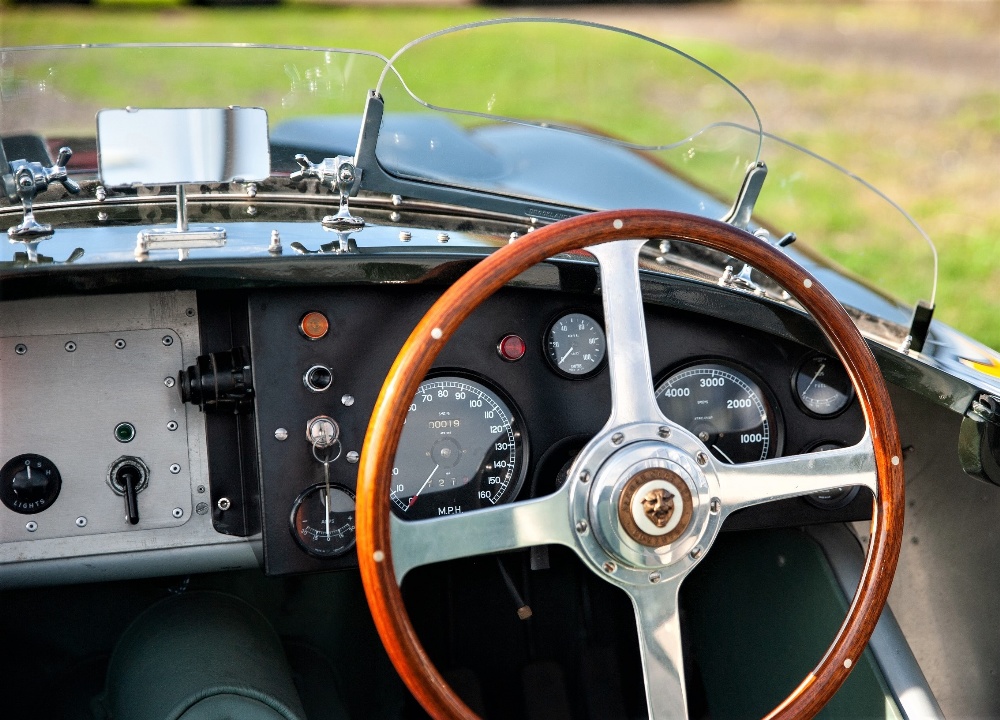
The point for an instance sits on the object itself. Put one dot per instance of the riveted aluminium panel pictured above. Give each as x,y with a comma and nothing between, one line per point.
63,395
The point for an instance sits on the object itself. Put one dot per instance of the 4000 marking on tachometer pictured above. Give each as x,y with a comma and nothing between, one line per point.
461,449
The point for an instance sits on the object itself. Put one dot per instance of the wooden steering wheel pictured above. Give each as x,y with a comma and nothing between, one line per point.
638,454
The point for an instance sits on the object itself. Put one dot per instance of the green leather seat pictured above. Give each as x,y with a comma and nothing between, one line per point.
199,656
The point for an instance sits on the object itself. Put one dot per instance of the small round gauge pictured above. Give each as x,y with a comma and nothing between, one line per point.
575,345
822,386
323,520
833,498
461,449
724,407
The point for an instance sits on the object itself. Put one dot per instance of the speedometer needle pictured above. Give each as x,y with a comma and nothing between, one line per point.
568,353
422,487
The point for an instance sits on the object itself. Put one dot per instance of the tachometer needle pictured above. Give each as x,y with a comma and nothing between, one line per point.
724,456
568,353
422,487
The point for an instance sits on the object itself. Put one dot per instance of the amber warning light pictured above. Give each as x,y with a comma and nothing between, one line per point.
314,325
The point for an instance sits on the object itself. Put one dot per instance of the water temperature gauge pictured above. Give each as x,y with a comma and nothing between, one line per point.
322,520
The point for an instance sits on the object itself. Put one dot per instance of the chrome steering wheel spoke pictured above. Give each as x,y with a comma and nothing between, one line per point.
659,627
542,521
632,395
769,480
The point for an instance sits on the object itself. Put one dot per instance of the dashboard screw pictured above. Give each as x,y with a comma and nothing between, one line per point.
394,216
168,381
696,552
175,468
102,216
177,513
347,400
702,458
201,508
281,434
353,457
200,489
404,236
120,344
172,425
20,348
581,526
584,477
81,521
397,200
617,439
100,193
654,577
610,567
167,340
715,506
443,237
189,312
70,346
31,526
224,504
664,432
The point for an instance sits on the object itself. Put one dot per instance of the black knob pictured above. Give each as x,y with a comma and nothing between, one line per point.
318,378
29,483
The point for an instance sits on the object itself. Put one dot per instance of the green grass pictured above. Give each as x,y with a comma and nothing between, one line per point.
940,165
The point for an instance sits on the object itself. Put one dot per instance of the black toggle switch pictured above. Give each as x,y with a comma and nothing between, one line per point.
128,477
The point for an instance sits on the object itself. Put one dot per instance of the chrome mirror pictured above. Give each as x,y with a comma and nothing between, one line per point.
182,146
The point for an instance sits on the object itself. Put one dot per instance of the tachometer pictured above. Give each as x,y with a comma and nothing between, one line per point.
461,449
724,407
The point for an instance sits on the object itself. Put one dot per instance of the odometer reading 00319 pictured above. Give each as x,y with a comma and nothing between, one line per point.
461,449
725,408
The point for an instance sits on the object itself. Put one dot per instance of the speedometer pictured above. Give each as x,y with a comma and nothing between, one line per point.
724,407
462,448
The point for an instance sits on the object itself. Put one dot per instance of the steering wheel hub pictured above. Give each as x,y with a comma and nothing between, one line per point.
655,507
647,506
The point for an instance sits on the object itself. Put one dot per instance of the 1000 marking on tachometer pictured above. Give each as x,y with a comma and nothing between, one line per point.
461,449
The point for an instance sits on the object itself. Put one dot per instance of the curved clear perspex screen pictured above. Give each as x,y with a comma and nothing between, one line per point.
567,112
867,250
313,99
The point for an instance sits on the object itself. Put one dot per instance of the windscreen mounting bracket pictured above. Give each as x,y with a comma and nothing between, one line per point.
742,211
29,179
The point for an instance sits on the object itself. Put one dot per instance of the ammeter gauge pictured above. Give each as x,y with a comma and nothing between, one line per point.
322,520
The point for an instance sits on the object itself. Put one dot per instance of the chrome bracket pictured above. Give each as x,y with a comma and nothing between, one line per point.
181,238
341,175
742,211
741,280
26,180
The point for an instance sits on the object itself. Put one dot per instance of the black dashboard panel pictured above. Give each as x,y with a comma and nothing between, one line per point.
368,325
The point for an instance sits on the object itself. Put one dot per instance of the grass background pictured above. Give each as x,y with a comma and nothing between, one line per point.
930,140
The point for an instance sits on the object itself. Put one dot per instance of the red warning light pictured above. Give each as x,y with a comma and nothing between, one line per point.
511,348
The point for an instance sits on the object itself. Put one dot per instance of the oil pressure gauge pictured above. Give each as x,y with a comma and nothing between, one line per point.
575,345
322,520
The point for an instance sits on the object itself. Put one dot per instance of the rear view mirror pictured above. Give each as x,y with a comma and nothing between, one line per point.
182,146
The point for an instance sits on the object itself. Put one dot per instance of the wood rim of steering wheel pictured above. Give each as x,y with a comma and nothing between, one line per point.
444,317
